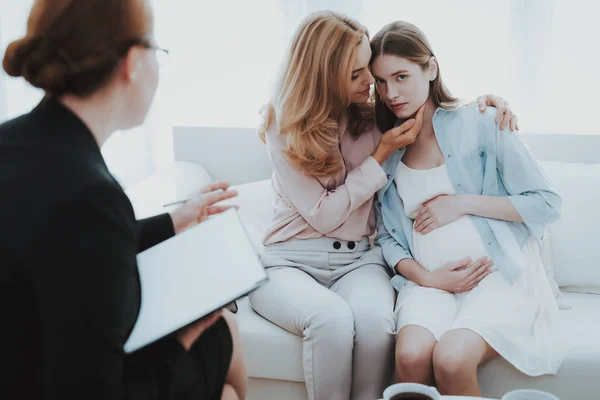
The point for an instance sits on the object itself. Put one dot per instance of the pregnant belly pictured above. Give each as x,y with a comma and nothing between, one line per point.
451,242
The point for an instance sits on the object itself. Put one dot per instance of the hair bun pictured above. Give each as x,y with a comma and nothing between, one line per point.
39,62
16,53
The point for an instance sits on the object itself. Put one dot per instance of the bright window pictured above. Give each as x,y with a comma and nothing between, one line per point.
540,55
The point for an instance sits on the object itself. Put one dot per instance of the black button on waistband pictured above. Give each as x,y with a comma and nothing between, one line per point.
351,245
337,245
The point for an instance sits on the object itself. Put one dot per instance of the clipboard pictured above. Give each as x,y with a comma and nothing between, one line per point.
193,274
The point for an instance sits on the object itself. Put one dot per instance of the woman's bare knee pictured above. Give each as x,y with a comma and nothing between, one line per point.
414,345
456,358
237,376
450,365
414,358
414,353
229,393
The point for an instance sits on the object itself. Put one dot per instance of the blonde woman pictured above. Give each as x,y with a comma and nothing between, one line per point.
327,284
462,189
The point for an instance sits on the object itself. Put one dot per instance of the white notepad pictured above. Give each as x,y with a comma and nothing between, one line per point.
193,274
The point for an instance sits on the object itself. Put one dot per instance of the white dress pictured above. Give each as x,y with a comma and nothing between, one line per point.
518,320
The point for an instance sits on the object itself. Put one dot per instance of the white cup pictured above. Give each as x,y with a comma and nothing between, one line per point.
528,394
411,388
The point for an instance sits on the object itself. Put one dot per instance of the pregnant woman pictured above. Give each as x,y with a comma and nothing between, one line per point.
462,189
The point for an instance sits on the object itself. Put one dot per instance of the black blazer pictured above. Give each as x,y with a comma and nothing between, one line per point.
69,286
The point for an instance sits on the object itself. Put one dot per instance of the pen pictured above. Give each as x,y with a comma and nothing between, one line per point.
178,201
189,198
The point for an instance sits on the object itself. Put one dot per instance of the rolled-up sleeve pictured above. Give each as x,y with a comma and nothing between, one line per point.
529,190
393,252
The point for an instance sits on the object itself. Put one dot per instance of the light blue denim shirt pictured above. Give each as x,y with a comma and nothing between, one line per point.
481,160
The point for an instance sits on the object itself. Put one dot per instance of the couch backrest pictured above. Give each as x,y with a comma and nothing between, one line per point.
238,156
574,238
235,155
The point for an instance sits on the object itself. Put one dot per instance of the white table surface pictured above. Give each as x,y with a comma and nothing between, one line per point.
463,398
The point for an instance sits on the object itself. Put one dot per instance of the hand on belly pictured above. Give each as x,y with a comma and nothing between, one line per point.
448,243
460,276
438,212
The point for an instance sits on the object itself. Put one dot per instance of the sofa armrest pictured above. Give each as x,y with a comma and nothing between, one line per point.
179,180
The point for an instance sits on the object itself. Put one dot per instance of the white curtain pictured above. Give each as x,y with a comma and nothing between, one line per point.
541,55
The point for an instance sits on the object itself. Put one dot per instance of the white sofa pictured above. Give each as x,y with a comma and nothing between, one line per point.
274,356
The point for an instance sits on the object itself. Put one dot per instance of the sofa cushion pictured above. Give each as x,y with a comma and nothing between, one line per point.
578,377
256,201
270,352
273,353
546,256
575,252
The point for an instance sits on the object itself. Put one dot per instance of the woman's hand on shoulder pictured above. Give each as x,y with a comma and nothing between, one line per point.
399,137
504,114
203,205
459,276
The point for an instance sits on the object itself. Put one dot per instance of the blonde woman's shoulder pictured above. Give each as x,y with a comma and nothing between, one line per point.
275,140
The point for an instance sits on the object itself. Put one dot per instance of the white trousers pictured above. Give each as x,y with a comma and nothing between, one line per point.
338,297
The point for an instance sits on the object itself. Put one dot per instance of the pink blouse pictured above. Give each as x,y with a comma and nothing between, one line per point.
339,206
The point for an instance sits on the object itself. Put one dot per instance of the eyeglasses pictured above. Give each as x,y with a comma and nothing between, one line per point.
162,55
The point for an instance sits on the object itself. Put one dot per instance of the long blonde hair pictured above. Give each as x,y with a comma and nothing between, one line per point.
405,40
313,90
